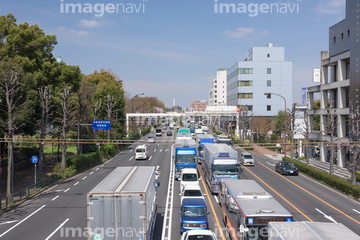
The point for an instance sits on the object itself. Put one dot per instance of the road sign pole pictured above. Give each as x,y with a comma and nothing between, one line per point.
35,176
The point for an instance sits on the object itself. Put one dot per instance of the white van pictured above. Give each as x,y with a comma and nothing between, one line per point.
188,176
247,159
141,152
191,191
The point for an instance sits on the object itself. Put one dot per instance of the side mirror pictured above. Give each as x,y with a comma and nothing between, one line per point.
180,194
179,212
204,194
199,179
207,213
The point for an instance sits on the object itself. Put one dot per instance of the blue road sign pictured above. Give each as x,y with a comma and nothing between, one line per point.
34,159
101,124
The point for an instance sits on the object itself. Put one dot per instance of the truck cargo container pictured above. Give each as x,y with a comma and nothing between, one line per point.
123,205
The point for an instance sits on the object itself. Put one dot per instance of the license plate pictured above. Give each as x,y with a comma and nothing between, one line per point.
291,171
248,163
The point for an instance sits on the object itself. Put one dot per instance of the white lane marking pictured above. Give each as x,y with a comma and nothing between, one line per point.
356,211
21,221
131,158
67,190
150,158
76,183
8,222
271,164
91,173
102,165
84,177
60,190
216,199
166,150
160,150
96,169
55,198
57,229
158,144
131,150
157,167
155,150
326,216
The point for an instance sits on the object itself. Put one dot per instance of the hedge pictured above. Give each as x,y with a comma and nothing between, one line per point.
331,180
84,161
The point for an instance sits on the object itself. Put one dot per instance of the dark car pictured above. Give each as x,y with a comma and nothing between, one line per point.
285,167
169,133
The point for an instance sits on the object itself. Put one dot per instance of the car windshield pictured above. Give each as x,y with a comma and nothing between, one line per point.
186,158
192,193
194,211
227,142
248,157
150,137
226,169
287,164
203,237
187,177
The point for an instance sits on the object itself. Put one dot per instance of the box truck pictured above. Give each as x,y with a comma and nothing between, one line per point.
123,205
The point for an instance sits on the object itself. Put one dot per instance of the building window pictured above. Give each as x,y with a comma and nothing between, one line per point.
215,91
268,55
245,83
342,35
245,95
215,86
268,70
215,101
216,96
334,40
348,33
268,107
245,70
268,96
268,83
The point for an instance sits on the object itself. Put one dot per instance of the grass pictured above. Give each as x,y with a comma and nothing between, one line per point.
69,149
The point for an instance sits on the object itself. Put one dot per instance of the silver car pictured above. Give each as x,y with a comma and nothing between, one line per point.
151,139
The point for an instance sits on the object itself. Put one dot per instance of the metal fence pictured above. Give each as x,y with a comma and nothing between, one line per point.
26,192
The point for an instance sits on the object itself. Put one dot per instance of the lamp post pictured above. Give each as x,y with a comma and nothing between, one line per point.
15,49
132,107
284,116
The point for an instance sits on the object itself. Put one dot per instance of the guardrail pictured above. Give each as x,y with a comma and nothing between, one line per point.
28,191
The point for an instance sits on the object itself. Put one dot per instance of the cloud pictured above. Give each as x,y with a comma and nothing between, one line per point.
89,23
244,32
72,31
330,7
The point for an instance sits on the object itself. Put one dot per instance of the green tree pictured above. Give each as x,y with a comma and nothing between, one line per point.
317,116
280,121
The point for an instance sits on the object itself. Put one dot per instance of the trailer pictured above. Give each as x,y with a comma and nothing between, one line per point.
123,205
309,230
219,161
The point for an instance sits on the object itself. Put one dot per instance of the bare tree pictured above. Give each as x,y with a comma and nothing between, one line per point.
306,133
354,119
66,121
11,86
292,127
109,108
95,107
45,98
245,121
330,127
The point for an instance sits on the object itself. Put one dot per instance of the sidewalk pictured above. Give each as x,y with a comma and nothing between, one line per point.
342,173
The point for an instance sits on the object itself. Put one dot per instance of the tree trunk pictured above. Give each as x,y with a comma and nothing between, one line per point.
63,152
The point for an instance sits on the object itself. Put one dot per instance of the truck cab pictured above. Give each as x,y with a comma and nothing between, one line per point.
193,215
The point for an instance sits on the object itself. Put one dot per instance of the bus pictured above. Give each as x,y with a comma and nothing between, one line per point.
247,208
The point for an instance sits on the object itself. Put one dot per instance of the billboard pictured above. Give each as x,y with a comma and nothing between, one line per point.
316,75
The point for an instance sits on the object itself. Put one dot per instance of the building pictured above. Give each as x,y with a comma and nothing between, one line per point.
198,106
217,94
264,70
340,81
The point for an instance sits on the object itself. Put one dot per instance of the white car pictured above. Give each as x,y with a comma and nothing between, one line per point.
191,191
141,152
188,176
198,234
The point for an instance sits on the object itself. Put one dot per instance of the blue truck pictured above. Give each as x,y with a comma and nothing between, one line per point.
200,140
193,214
185,155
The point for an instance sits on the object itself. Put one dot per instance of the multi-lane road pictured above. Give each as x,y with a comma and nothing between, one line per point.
60,212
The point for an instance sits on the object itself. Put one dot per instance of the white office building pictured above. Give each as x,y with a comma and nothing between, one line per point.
217,94
264,70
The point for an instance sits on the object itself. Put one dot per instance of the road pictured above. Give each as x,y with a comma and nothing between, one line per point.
60,212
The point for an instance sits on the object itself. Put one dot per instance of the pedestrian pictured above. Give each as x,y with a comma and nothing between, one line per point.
279,150
296,155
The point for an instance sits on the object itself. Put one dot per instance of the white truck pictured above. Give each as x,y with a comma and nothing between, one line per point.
124,201
219,161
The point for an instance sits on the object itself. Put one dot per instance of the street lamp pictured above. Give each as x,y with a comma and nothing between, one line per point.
284,116
31,46
132,107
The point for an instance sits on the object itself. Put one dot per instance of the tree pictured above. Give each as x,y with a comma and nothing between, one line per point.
354,124
330,127
316,116
292,114
306,133
280,121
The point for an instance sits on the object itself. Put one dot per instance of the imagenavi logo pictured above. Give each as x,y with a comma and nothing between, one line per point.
99,9
254,9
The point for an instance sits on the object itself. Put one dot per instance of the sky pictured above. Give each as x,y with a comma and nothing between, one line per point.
172,49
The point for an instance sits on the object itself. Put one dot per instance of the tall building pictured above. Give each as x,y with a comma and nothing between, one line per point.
339,82
217,94
264,70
